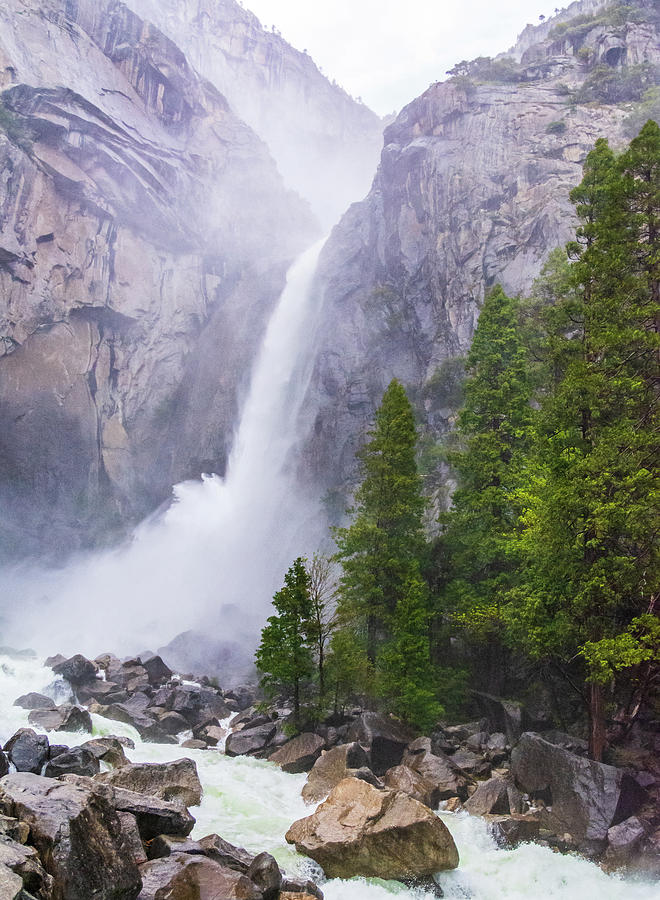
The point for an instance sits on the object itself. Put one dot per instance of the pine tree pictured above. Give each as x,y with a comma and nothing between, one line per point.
406,677
381,547
588,545
284,655
493,430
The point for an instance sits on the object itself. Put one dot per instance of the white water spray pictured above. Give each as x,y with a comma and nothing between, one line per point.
215,557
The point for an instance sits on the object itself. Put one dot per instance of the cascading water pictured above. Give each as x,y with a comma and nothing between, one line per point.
252,803
218,553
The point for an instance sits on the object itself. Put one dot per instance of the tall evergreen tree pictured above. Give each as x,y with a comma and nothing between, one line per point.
590,521
284,656
406,679
493,431
381,547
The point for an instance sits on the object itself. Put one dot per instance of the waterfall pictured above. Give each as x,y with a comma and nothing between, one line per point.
215,557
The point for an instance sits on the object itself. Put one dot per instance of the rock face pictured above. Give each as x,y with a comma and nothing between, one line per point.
122,286
582,798
177,781
77,833
300,754
27,750
360,830
280,92
472,189
331,768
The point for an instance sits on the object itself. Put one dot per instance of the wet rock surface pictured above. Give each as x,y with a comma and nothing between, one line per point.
360,830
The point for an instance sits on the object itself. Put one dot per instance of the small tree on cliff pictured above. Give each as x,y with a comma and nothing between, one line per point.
285,655
381,548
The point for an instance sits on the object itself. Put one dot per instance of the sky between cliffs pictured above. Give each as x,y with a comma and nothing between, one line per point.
389,51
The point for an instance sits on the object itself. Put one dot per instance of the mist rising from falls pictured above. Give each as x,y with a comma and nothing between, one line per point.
213,560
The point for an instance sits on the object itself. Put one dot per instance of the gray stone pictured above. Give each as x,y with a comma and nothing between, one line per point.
254,740
385,740
34,701
78,761
153,816
62,718
176,781
27,750
299,754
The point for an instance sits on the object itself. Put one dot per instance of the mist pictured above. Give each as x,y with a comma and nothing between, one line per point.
213,559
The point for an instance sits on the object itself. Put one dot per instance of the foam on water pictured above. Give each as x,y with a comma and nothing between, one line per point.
252,803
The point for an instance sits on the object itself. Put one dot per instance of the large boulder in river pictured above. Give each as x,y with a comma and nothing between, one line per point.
27,750
299,754
332,767
251,740
62,718
582,798
153,815
76,670
34,701
77,833
78,761
497,796
184,876
177,781
385,739
444,778
360,830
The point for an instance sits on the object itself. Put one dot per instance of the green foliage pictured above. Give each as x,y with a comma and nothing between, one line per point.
647,108
382,545
588,546
349,673
639,643
494,433
607,85
406,678
284,655
16,129
486,69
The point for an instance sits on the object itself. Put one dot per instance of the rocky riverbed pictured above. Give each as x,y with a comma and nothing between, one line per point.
159,809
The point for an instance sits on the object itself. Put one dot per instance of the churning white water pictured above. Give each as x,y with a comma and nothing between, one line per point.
252,803
222,542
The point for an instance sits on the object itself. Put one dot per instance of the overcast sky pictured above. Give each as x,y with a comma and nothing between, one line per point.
389,51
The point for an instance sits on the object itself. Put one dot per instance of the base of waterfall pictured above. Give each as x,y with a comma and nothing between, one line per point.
364,830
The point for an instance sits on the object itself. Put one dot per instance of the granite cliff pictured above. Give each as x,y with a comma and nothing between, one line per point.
472,189
326,144
144,236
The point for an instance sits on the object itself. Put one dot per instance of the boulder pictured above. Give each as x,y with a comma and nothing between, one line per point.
623,841
330,768
583,798
97,690
172,722
24,862
27,750
438,771
4,764
300,754
194,744
507,716
265,874
11,885
385,739
472,763
211,734
131,832
77,833
461,733
360,830
109,749
510,831
197,704
478,741
497,796
226,854
156,669
62,718
167,845
401,778
76,670
298,889
184,876
147,728
254,740
176,781
153,816
34,701
78,761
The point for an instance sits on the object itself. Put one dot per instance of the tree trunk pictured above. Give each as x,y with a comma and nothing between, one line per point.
296,703
597,722
372,635
321,672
